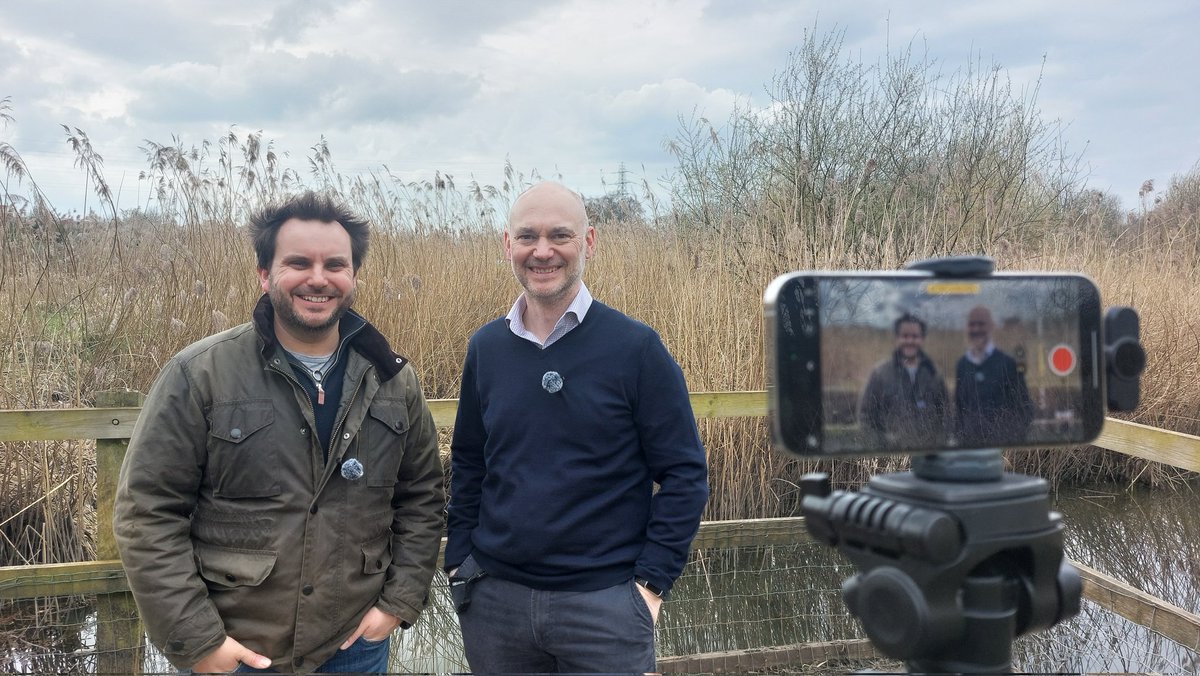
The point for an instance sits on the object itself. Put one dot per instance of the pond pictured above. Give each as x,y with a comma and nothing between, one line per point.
1147,539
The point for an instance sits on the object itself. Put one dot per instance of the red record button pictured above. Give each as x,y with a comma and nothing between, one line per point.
1062,360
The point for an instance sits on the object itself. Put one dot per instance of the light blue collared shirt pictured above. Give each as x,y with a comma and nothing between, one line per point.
571,318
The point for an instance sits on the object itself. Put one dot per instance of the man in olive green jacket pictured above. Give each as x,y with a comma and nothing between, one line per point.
281,501
905,403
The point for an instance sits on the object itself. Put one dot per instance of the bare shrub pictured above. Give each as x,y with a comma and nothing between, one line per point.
870,165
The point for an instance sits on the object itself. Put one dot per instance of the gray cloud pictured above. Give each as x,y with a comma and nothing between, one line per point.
322,90
447,23
133,32
12,64
289,20
459,22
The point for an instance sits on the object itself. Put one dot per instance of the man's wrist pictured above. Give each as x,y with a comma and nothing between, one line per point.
651,587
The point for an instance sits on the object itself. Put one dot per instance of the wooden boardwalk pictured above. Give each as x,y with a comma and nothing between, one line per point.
120,635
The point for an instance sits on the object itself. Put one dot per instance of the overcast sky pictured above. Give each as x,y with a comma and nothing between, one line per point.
571,88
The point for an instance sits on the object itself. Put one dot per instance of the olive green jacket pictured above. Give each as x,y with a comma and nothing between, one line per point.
897,411
230,521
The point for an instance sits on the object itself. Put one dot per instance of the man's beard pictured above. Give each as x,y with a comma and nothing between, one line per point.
285,312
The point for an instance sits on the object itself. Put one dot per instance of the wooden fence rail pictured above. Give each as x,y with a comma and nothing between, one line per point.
116,422
111,424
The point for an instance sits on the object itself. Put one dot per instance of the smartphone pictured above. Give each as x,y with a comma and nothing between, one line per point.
908,362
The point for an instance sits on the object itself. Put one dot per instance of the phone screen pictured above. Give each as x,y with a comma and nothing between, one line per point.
908,363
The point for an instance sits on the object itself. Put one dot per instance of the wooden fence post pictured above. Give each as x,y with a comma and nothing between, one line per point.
120,638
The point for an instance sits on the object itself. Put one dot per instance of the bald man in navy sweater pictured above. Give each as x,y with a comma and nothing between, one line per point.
992,403
560,552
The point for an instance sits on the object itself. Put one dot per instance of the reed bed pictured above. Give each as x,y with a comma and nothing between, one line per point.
95,305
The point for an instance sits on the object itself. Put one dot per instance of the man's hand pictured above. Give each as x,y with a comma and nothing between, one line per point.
652,600
226,657
375,626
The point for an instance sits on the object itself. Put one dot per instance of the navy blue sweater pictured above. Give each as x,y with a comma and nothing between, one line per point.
992,402
555,490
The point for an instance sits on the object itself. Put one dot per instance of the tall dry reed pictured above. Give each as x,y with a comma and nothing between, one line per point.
96,306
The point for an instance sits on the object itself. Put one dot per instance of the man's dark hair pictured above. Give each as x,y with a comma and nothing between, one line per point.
908,318
307,206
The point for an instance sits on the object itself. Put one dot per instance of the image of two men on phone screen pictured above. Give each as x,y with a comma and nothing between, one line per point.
906,403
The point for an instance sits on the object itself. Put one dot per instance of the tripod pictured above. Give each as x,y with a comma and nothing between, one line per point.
956,559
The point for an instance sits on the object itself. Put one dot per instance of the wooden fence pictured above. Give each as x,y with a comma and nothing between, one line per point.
111,424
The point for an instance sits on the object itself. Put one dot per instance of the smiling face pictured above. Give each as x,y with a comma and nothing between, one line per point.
548,242
979,328
311,283
910,338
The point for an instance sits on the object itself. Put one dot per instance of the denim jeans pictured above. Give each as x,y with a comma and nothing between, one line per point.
511,628
362,657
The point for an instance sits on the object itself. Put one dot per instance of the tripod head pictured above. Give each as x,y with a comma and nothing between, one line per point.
950,571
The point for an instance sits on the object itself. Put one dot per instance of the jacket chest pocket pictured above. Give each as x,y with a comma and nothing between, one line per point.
242,460
386,432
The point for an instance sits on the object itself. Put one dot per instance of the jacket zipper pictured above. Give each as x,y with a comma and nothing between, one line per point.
329,367
337,425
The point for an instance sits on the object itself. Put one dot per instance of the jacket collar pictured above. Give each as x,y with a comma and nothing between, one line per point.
364,338
923,362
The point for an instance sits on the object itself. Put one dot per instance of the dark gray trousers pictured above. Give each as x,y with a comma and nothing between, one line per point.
511,628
